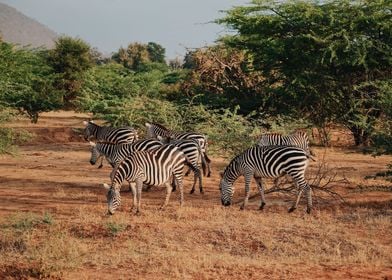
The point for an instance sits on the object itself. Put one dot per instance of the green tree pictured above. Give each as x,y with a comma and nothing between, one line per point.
322,60
156,52
26,81
225,78
142,57
70,59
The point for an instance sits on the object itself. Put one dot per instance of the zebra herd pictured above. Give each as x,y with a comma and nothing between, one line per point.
164,154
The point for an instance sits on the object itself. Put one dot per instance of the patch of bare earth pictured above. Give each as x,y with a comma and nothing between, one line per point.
53,223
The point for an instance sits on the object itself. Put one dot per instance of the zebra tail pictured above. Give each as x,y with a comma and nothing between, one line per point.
206,158
203,163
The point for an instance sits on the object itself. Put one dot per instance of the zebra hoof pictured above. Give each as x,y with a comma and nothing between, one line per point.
192,191
308,210
242,207
209,175
262,206
201,191
292,209
99,167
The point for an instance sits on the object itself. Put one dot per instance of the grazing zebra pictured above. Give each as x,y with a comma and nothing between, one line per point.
109,134
266,162
115,153
193,152
153,168
154,130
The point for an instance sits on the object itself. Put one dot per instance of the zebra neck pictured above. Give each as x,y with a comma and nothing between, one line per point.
232,172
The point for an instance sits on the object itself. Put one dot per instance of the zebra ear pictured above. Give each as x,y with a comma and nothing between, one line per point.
106,186
85,123
92,144
147,124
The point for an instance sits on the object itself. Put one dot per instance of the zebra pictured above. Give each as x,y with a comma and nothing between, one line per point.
298,139
154,130
193,152
115,153
153,168
266,162
114,135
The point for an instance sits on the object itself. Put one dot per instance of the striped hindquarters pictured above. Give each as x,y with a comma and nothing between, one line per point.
110,134
154,167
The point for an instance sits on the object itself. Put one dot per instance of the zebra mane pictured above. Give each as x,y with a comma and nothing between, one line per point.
160,126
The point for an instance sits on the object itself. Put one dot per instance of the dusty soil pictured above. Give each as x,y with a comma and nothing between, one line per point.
51,177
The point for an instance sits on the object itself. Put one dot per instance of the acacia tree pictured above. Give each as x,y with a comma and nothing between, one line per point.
225,78
27,82
70,59
322,60
137,55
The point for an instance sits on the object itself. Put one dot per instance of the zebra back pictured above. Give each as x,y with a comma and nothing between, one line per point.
153,166
298,139
110,134
117,152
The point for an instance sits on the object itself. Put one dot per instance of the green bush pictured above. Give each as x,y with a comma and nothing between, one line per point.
9,137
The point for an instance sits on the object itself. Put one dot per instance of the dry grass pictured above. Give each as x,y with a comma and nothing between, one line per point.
53,225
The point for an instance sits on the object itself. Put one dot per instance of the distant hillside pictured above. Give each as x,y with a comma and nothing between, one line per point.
17,28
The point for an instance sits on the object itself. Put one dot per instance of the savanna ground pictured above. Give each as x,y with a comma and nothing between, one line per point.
53,221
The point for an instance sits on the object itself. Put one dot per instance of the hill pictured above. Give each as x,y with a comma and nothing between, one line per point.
18,28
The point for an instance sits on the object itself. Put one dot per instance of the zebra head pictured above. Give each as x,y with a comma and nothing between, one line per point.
95,154
226,190
88,129
113,197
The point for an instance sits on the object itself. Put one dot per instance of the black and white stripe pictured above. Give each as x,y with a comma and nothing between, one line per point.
152,168
298,139
193,153
266,162
115,153
109,134
154,130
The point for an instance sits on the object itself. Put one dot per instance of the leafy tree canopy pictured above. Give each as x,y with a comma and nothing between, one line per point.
323,60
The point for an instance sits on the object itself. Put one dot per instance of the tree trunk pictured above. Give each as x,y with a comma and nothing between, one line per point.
361,136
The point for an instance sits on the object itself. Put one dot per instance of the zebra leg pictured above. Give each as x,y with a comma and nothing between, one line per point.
248,178
197,174
168,192
261,190
174,184
132,188
200,181
295,204
208,164
309,198
139,187
101,164
181,187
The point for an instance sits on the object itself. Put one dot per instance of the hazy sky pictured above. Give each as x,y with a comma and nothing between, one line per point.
110,24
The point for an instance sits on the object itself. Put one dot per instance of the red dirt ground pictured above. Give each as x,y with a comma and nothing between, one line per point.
52,174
